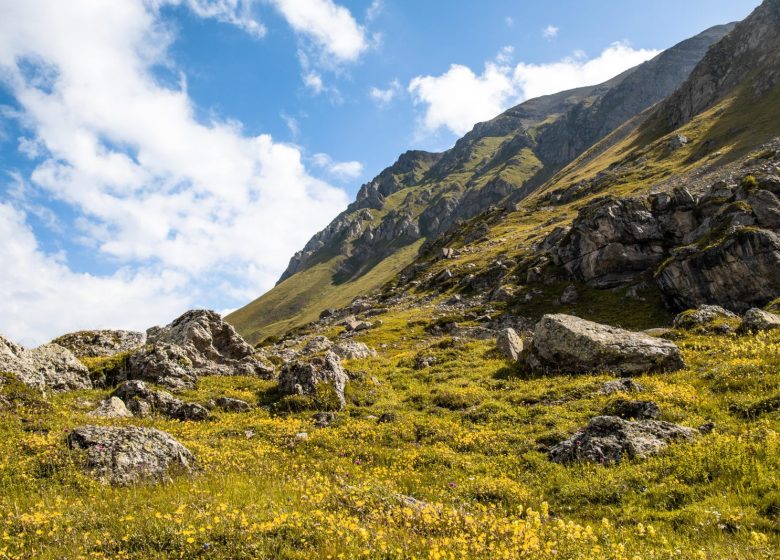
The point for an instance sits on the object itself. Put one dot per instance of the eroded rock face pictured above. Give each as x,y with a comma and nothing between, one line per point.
129,455
609,439
509,344
569,344
212,345
48,367
143,401
100,343
756,320
303,377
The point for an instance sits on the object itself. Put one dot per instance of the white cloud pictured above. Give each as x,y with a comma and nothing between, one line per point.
459,98
374,9
329,25
339,169
509,21
550,32
193,212
383,97
235,12
313,81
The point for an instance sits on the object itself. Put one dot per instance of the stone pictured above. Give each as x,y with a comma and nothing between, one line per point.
609,439
569,344
509,344
129,455
162,364
229,404
324,419
357,326
706,318
212,345
112,407
622,385
143,401
49,367
756,320
352,350
317,344
100,343
387,417
301,377
634,410
766,207
677,141
503,293
569,295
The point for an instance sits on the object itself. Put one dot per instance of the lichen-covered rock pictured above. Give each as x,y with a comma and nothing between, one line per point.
143,401
112,407
352,350
622,385
302,378
756,320
609,439
212,345
569,344
229,404
509,344
100,343
317,344
129,455
47,367
634,410
707,318
162,364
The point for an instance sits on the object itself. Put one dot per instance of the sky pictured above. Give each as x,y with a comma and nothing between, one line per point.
162,155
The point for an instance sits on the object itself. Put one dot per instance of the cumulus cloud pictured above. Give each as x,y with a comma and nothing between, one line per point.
235,12
338,169
383,97
550,32
460,98
192,212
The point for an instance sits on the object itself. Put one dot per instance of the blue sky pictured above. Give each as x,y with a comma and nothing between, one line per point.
158,155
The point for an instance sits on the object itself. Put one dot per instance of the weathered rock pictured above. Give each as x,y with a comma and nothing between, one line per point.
634,410
357,326
707,318
509,344
608,439
317,344
766,207
229,404
129,455
100,343
622,385
570,344
212,345
351,350
324,419
303,377
162,364
756,320
569,295
143,401
112,407
47,367
503,293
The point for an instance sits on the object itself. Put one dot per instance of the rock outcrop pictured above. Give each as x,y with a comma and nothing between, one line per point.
100,343
129,455
48,367
609,439
302,378
569,344
143,401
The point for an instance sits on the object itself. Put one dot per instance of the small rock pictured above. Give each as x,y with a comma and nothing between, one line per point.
317,344
622,385
303,377
634,410
509,344
387,417
357,326
677,141
324,419
229,404
142,401
112,407
569,295
707,428
756,320
351,350
708,318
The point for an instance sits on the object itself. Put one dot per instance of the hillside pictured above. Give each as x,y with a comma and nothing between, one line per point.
423,195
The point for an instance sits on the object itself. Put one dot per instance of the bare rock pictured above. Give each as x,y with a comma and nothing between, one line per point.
352,350
112,407
143,401
302,378
229,404
163,364
756,320
47,367
570,344
129,455
608,439
509,344
100,343
317,344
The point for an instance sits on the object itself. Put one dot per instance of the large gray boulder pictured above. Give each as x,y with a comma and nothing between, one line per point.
143,401
163,364
129,455
48,367
212,345
756,320
100,343
569,344
609,439
302,378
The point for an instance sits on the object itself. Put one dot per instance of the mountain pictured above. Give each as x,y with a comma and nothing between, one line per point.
423,195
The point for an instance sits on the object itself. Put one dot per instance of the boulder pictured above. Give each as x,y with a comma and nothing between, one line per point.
756,320
100,343
608,439
229,404
569,295
112,407
634,410
143,401
162,364
351,350
357,325
317,344
509,344
212,345
47,367
129,455
706,318
302,378
569,344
